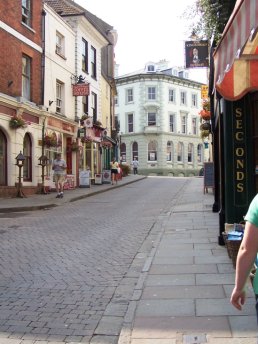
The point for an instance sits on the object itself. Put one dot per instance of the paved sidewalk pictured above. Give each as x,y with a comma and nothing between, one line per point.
38,201
182,296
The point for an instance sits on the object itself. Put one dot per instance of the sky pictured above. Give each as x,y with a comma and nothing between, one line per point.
148,31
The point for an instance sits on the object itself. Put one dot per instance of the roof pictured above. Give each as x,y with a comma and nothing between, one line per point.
70,8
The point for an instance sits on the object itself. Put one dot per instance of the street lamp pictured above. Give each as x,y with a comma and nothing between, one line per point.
43,161
20,163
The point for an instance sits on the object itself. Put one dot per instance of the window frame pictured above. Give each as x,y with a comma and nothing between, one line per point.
60,46
129,95
190,153
26,12
180,152
27,177
172,97
93,62
172,124
183,98
169,151
194,100
151,93
26,77
59,97
194,125
183,124
130,123
94,106
152,149
85,56
149,121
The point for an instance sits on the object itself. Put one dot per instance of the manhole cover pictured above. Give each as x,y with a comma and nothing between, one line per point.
194,339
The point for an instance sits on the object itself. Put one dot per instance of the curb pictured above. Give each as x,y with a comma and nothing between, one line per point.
74,199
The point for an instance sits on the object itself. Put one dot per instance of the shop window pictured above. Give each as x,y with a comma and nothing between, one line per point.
190,152
180,152
3,159
135,150
130,123
27,152
152,151
169,150
123,152
200,153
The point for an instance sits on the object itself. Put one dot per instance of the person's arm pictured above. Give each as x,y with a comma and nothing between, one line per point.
245,259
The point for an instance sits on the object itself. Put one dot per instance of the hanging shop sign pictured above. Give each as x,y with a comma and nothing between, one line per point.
204,91
81,89
196,54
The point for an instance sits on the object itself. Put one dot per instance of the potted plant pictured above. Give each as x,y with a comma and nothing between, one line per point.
17,122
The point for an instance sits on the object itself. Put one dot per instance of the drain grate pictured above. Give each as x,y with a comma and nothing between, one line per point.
195,339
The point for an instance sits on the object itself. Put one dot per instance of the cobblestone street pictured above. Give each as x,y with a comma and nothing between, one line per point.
67,274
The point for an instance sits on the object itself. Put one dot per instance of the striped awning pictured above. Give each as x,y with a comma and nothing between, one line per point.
236,56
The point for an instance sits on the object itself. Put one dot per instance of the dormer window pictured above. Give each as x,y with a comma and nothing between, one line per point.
150,68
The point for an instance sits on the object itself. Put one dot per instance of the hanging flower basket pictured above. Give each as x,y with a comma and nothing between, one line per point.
50,141
204,134
17,122
205,114
74,147
82,119
205,126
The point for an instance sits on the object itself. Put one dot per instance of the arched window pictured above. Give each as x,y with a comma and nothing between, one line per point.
200,153
152,151
135,151
3,159
190,152
169,150
123,152
180,152
27,152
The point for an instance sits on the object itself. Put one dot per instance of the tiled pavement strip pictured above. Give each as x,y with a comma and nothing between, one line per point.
182,295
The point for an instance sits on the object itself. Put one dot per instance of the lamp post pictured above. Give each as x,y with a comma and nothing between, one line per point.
43,161
20,163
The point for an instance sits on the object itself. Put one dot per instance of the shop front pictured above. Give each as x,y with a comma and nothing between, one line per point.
234,95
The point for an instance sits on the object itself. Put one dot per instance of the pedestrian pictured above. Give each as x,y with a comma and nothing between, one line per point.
135,164
114,170
59,168
246,257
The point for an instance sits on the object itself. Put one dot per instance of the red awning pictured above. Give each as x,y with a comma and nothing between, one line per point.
236,56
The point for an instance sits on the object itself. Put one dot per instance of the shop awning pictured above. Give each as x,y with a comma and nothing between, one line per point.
236,56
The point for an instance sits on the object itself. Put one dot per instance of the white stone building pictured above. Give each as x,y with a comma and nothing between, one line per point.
159,122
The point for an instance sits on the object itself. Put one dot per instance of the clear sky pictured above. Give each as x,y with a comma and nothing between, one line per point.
148,31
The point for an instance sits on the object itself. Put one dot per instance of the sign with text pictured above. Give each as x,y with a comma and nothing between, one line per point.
204,92
81,90
196,54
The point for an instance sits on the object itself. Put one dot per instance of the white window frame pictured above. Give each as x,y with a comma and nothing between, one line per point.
190,153
183,124
151,121
172,123
172,95
129,95
26,12
26,77
183,98
194,125
194,100
180,152
59,97
130,122
151,93
60,48
169,151
200,153
152,151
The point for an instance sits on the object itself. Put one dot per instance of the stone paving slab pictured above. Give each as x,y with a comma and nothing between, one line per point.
182,269
168,327
161,308
183,292
218,307
169,280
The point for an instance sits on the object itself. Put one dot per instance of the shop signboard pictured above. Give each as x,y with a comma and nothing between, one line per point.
196,54
84,179
106,177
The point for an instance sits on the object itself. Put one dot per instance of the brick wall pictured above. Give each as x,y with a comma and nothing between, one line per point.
12,49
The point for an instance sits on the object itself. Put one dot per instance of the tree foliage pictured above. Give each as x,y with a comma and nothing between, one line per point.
209,17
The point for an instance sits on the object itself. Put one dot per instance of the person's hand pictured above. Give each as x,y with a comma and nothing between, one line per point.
238,298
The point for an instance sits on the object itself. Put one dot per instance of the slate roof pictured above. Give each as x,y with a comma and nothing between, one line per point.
71,8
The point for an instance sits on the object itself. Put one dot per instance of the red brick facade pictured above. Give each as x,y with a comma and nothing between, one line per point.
14,46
